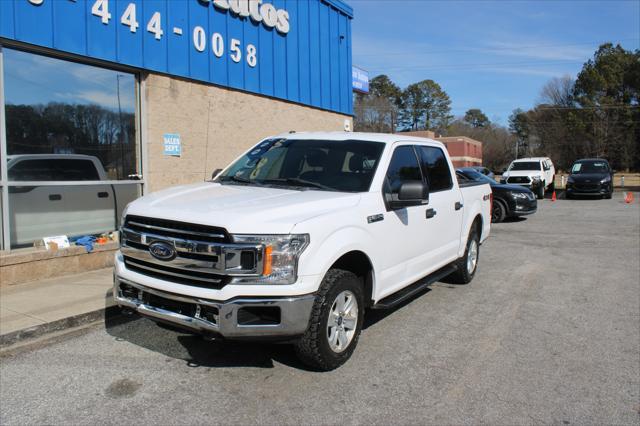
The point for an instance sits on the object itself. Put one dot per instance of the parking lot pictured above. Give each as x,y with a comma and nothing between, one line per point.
548,332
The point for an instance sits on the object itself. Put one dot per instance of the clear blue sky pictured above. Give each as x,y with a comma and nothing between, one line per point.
493,55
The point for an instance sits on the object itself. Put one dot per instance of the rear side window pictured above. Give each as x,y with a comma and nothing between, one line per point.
404,167
53,170
75,170
435,168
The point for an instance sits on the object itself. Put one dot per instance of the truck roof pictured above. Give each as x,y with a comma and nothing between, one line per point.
386,138
531,159
52,157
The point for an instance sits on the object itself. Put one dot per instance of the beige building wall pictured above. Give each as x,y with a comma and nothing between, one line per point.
215,126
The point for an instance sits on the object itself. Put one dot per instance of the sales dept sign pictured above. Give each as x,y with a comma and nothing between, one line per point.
172,144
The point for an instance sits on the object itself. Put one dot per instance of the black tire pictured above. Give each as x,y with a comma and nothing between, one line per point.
609,195
567,195
314,348
463,275
498,212
540,191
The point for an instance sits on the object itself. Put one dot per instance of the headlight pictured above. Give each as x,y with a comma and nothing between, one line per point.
520,195
606,179
570,179
535,178
281,254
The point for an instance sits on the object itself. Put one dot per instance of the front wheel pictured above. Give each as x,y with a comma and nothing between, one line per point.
540,191
335,323
498,212
466,266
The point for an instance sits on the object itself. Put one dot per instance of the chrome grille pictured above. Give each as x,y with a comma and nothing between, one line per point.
182,230
203,256
518,179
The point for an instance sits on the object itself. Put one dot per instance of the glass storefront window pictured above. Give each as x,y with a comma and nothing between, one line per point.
54,106
67,124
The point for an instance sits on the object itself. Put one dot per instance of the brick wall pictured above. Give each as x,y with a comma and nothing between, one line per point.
215,125
464,151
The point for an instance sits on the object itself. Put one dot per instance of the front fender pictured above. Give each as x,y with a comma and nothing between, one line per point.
322,254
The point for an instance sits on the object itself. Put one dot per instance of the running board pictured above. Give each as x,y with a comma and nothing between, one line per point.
413,289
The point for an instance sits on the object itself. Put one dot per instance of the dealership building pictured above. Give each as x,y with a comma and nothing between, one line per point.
104,100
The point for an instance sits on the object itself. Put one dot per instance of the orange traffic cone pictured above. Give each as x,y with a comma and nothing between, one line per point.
628,198
553,196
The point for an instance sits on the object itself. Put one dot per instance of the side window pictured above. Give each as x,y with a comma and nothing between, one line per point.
32,170
435,167
403,167
53,170
74,170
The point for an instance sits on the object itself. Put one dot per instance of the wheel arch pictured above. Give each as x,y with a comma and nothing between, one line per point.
357,262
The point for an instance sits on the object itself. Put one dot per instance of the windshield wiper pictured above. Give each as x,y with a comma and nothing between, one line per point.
300,182
241,180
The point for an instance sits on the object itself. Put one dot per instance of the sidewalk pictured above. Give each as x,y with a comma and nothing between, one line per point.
39,307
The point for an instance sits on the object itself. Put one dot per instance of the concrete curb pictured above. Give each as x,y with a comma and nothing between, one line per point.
9,339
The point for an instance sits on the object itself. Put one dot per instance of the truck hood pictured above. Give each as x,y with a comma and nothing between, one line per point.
240,208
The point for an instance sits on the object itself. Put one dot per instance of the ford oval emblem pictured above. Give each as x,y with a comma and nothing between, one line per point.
163,251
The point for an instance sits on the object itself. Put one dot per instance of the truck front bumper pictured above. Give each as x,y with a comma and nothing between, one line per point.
243,317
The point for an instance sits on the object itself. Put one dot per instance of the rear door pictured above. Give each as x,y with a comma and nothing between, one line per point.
444,216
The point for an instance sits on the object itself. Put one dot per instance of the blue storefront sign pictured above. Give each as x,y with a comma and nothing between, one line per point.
172,145
289,49
360,80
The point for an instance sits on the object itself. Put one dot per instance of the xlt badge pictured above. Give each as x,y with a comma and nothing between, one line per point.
375,218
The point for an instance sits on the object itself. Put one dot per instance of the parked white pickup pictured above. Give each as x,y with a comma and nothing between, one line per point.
64,208
536,173
296,238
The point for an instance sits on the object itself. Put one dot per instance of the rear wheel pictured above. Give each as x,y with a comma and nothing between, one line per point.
498,212
467,264
335,323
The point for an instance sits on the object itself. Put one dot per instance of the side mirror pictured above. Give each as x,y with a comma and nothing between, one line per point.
215,173
413,193
504,169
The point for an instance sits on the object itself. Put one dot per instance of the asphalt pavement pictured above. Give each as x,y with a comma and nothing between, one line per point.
547,332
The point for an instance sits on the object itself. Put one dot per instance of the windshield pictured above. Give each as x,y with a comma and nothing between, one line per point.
343,166
590,167
525,165
477,176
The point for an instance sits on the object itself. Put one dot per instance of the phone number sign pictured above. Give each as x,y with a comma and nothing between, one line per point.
293,50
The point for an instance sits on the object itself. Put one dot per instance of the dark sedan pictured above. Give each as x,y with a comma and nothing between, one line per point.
590,176
508,200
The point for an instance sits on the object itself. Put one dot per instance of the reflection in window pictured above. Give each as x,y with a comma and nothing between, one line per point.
435,167
55,106
402,168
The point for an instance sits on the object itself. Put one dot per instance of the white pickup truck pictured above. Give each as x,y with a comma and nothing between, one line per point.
297,237
38,211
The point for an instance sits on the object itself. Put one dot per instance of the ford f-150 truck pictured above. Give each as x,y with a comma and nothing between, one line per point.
297,237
